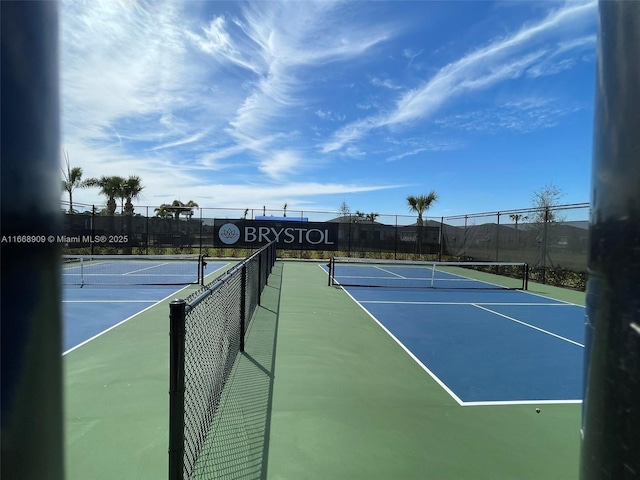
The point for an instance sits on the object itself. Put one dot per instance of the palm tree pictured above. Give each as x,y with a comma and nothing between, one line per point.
72,180
111,187
164,211
420,204
175,209
371,217
190,205
131,189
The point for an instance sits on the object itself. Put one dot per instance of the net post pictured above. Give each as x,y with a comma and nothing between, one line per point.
525,280
243,305
177,314
440,239
433,273
331,267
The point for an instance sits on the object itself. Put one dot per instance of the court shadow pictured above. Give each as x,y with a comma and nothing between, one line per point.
238,444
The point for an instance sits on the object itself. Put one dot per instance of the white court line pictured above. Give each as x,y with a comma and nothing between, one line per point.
389,271
216,270
440,382
134,315
123,321
520,402
110,301
518,304
409,352
146,268
528,325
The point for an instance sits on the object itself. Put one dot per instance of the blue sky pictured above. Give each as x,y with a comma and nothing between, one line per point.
244,105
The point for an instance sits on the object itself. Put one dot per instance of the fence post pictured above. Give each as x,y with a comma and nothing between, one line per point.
93,233
395,244
464,238
498,237
544,245
177,314
200,232
146,233
260,273
350,237
243,305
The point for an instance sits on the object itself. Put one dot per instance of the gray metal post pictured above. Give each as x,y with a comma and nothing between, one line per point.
31,350
243,306
611,408
498,238
177,314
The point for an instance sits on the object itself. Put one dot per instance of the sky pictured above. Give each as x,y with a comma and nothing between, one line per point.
316,104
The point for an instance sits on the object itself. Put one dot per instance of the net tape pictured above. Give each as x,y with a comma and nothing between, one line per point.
80,270
367,272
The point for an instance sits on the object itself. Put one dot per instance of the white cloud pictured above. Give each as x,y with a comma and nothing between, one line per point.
524,115
429,146
500,60
386,83
281,164
221,104
411,55
329,115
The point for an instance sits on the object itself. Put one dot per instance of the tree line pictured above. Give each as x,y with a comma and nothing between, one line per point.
115,188
543,200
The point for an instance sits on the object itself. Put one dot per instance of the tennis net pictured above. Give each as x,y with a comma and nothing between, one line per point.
367,272
208,329
83,270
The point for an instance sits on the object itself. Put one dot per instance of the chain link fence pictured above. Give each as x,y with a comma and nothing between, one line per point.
553,240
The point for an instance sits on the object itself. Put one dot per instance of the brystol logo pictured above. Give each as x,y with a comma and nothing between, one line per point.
229,234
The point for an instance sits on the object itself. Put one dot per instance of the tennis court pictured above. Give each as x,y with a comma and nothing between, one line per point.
102,292
482,343
332,385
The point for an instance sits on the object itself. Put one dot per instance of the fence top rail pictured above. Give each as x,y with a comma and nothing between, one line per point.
570,206
297,213
218,282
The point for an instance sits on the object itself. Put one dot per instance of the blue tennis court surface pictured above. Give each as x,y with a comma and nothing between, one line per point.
90,311
482,346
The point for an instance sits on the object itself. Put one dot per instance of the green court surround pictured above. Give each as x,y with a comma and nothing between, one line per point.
322,392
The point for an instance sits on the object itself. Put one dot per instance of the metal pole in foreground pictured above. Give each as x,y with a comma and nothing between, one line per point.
177,309
31,339
611,408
